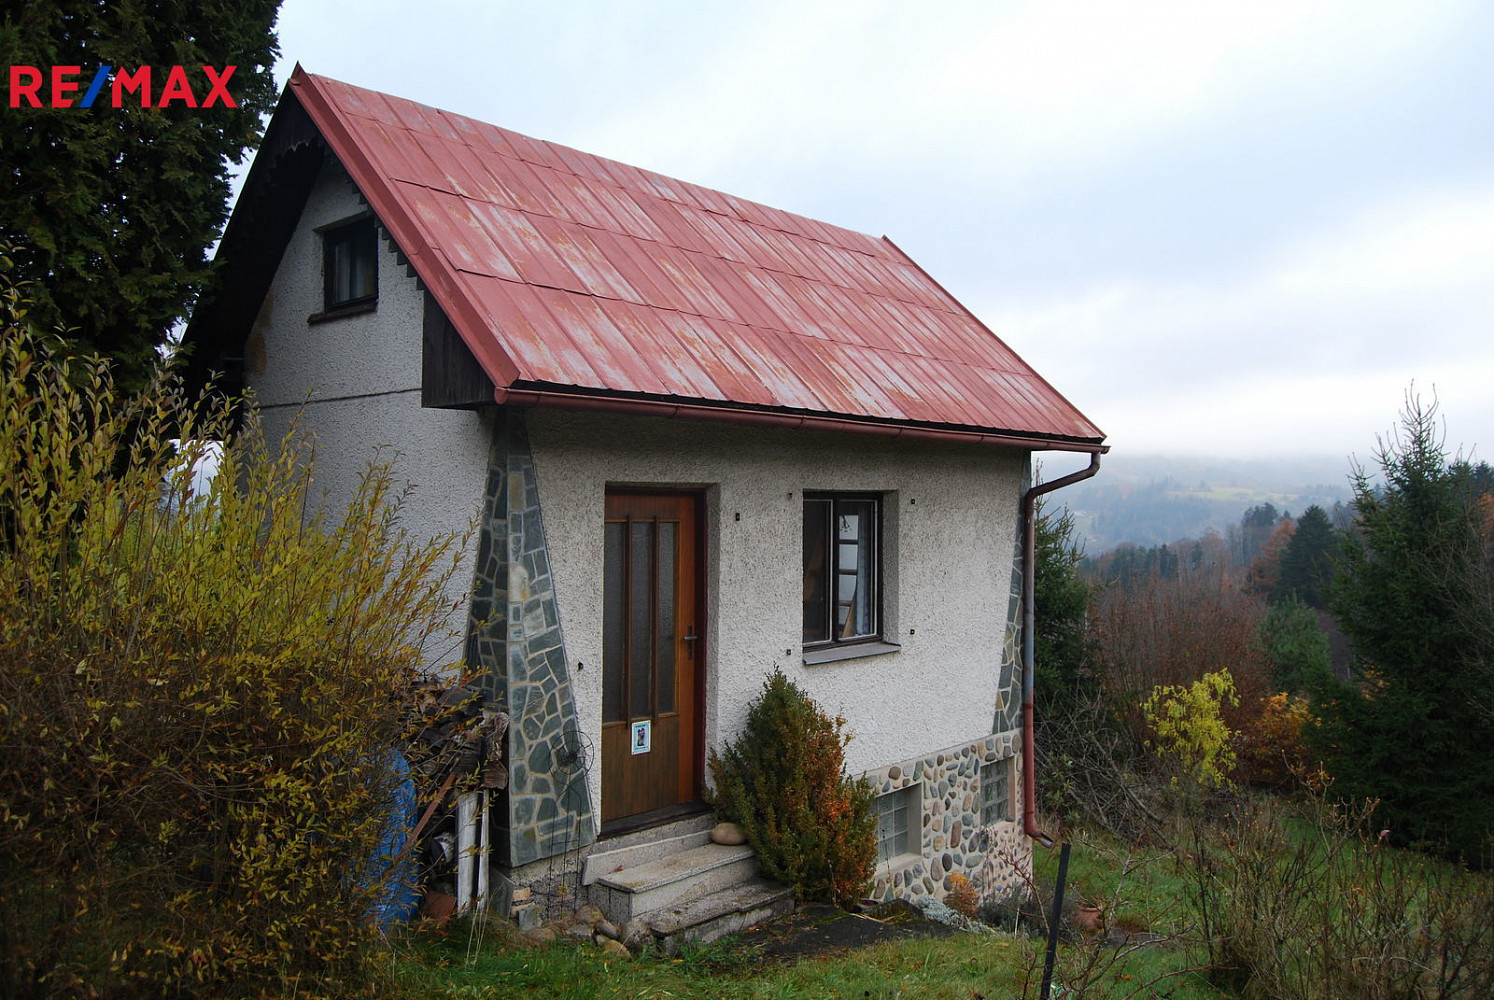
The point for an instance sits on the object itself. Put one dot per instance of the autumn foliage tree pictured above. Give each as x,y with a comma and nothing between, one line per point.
1263,573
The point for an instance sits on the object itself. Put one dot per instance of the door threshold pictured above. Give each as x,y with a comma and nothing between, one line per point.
656,817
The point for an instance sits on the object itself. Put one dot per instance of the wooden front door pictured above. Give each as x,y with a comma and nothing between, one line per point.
651,669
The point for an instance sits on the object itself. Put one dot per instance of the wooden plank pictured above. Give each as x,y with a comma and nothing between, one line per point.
450,378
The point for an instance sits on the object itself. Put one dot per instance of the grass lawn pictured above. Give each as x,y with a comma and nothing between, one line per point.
1300,911
950,967
968,967
1142,891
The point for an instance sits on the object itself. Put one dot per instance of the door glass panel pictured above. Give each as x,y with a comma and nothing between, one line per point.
614,623
665,634
640,620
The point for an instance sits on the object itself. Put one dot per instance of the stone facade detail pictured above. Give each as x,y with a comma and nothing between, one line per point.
515,639
995,857
1009,695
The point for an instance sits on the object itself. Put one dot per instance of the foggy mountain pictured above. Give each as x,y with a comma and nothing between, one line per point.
1156,499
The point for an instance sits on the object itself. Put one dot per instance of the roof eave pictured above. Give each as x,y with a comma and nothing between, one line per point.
769,417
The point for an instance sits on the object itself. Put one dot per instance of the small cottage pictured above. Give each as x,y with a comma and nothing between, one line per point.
701,438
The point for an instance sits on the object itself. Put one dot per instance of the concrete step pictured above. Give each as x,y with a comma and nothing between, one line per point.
717,914
617,858
672,880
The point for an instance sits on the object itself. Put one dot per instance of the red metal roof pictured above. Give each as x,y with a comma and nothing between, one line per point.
568,274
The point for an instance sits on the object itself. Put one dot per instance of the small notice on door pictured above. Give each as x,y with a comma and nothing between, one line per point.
643,737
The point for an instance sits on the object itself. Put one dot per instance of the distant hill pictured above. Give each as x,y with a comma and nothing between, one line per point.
1156,499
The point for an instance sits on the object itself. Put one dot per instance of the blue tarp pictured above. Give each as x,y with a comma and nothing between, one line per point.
401,896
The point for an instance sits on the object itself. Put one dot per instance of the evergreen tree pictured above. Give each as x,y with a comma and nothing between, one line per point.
1412,594
1063,670
1297,647
111,210
783,780
1307,561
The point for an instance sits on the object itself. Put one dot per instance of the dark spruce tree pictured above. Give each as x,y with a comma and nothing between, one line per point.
1063,668
110,211
1307,561
1412,594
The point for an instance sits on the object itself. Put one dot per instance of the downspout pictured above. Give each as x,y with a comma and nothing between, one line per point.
1029,618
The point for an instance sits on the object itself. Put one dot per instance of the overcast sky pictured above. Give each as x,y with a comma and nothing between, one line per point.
1231,228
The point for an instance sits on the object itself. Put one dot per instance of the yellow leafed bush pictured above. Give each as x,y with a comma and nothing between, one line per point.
1188,727
198,695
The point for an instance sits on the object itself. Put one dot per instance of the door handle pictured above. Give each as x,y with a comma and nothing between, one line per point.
691,640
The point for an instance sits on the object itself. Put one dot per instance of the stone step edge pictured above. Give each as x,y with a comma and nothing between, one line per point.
600,864
675,868
749,897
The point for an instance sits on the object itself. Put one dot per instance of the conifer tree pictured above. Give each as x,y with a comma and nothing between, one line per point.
1413,595
1307,561
1061,643
110,211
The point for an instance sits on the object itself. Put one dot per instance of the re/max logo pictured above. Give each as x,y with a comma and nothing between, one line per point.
125,87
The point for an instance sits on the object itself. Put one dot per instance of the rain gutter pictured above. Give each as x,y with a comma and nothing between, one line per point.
768,418
1029,618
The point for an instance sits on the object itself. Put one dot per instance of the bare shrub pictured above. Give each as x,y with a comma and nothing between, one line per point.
1087,771
1173,631
1318,907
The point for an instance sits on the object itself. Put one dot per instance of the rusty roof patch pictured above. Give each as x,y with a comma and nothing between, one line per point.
571,273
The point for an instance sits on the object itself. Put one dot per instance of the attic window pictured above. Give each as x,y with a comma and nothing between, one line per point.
350,267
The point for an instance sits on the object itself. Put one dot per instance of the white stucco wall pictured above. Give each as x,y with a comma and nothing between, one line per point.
355,382
949,514
949,524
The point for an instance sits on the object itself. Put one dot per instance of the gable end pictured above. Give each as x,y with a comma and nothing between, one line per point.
274,194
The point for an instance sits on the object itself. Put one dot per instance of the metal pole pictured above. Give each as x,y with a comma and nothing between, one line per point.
1063,874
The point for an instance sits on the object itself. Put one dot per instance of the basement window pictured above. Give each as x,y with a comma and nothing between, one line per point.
900,823
996,792
350,268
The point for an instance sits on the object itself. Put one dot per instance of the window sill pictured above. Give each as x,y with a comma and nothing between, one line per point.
341,312
898,863
850,651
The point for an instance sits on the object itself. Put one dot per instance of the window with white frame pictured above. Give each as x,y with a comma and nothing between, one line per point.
900,823
842,557
996,792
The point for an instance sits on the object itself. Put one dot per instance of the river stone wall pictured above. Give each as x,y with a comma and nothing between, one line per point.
996,857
